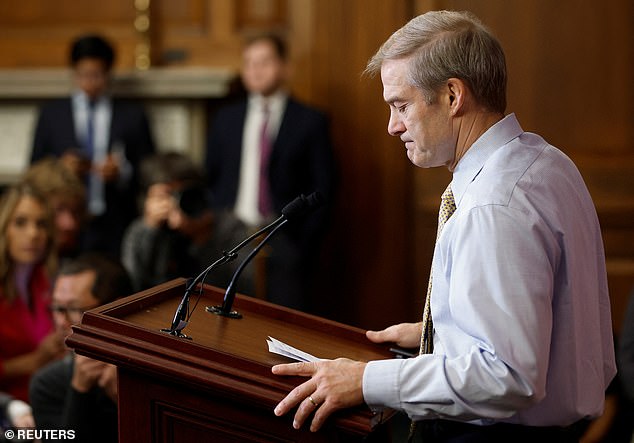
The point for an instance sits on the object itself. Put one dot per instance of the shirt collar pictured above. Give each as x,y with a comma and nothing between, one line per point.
275,101
472,162
80,98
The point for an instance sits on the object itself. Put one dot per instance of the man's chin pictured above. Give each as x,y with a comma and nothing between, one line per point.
417,160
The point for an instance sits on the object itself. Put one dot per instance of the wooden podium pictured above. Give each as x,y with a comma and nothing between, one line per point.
218,386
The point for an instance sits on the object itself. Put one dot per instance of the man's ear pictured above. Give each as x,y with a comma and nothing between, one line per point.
456,94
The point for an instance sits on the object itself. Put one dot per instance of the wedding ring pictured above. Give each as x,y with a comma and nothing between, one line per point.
310,399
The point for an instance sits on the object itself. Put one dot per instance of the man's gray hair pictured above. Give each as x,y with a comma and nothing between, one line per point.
448,44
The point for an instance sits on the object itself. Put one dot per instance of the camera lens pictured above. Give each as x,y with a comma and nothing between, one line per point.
193,201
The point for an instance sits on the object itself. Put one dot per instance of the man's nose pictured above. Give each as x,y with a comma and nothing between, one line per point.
63,324
395,125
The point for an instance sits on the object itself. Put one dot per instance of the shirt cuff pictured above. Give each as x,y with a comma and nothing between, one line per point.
381,384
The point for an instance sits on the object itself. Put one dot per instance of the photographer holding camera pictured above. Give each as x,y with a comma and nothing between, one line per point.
178,233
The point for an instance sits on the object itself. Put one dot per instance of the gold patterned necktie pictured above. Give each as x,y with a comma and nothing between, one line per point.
447,208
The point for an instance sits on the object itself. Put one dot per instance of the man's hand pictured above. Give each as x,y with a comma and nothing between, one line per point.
109,169
51,348
86,373
108,381
405,335
76,162
158,204
333,385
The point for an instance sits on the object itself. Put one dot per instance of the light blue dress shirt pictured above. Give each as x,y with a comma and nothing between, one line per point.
522,325
102,120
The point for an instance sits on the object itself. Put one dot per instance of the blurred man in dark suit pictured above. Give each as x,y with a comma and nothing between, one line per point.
99,137
78,393
262,152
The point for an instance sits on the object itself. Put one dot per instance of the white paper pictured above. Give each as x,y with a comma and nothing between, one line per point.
281,348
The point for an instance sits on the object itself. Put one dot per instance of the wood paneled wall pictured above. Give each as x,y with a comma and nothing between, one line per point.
570,64
372,252
35,33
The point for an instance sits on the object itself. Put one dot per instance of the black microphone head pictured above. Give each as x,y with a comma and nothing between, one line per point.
302,205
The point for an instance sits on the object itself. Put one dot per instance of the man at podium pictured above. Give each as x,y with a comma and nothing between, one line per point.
516,335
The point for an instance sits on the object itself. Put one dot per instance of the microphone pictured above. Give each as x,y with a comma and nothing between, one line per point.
295,208
302,205
299,207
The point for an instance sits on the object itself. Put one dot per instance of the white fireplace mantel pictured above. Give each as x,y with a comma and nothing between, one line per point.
175,99
153,83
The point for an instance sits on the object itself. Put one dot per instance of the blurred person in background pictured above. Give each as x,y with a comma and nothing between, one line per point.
178,234
101,138
78,392
28,340
262,152
66,195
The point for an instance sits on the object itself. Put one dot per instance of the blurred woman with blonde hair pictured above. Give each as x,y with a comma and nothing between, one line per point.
27,262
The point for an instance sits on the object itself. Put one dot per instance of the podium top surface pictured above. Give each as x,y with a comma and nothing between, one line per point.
223,354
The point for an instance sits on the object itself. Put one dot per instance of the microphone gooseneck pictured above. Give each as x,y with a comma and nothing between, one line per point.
299,207
230,294
182,314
